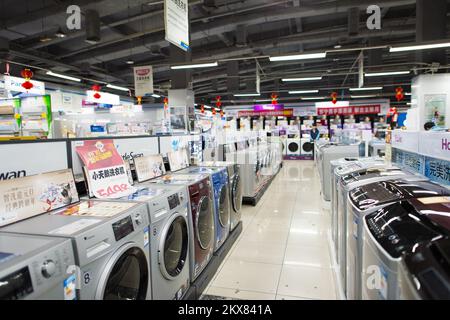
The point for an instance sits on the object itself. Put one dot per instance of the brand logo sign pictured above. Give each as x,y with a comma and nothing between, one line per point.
12,174
15,84
445,144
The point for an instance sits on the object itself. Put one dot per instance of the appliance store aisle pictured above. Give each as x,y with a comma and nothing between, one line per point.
283,251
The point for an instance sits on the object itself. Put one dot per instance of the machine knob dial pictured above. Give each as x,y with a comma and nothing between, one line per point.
138,219
48,268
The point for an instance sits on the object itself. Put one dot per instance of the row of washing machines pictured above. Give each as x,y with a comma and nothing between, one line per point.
152,244
295,146
390,230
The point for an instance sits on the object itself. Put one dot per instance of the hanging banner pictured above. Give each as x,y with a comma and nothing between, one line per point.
143,81
264,107
438,170
106,170
176,22
351,110
276,113
15,84
105,98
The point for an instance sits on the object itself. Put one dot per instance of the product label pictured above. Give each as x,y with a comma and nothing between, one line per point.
383,283
146,236
70,285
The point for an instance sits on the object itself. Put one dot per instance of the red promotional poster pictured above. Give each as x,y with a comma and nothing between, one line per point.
107,173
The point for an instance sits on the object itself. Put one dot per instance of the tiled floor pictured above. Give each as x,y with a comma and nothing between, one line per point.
283,251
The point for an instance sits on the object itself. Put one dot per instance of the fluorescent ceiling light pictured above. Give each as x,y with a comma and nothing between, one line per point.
247,94
366,89
303,91
154,95
111,86
409,104
192,66
264,100
407,93
62,76
306,56
420,47
301,79
313,98
380,74
362,97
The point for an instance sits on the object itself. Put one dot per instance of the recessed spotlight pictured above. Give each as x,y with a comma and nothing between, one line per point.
129,62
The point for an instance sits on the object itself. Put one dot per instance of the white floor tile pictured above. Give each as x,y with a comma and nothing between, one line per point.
307,256
258,251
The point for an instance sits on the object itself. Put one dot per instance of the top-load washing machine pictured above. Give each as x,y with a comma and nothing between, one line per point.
36,268
424,272
327,155
168,209
235,187
219,179
110,241
393,230
201,220
368,198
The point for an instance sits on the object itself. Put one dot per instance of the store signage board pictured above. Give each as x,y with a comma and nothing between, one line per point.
106,170
270,107
176,22
414,162
52,156
15,84
405,140
350,110
105,98
437,170
143,81
29,196
330,104
149,167
435,144
178,159
275,113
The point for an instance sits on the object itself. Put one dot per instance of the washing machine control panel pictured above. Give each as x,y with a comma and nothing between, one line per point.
48,268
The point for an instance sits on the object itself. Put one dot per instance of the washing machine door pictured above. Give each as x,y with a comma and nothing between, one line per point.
173,247
293,147
308,147
125,276
205,223
224,207
236,193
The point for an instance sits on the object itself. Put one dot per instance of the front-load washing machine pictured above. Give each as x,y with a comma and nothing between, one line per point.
36,268
293,145
201,220
235,187
168,209
329,154
110,241
306,147
393,230
219,179
424,272
368,198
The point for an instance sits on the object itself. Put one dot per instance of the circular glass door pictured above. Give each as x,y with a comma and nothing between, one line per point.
308,147
224,211
128,279
293,147
205,223
236,193
174,247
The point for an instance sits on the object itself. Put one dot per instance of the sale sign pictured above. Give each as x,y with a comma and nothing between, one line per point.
106,170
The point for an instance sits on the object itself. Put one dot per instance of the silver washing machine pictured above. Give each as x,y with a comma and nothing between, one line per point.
169,238
424,272
110,241
393,230
368,198
327,155
36,268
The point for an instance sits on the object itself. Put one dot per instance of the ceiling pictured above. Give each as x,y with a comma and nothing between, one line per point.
133,30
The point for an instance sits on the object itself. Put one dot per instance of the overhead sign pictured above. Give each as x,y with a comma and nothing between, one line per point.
263,107
275,113
105,98
355,110
15,84
329,104
176,22
106,170
143,81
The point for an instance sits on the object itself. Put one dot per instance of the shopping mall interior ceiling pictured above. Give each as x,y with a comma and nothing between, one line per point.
132,32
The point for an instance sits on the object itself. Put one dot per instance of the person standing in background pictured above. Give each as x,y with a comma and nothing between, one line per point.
315,134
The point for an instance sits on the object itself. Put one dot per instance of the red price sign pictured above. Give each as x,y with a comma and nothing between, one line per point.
112,190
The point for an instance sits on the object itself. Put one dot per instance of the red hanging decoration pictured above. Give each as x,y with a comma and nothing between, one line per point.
202,109
166,103
274,98
218,101
214,111
399,94
96,88
222,113
334,97
27,74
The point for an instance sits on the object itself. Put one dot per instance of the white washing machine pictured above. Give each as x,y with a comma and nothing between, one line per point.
169,238
110,241
283,140
36,268
306,147
293,145
391,231
368,198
